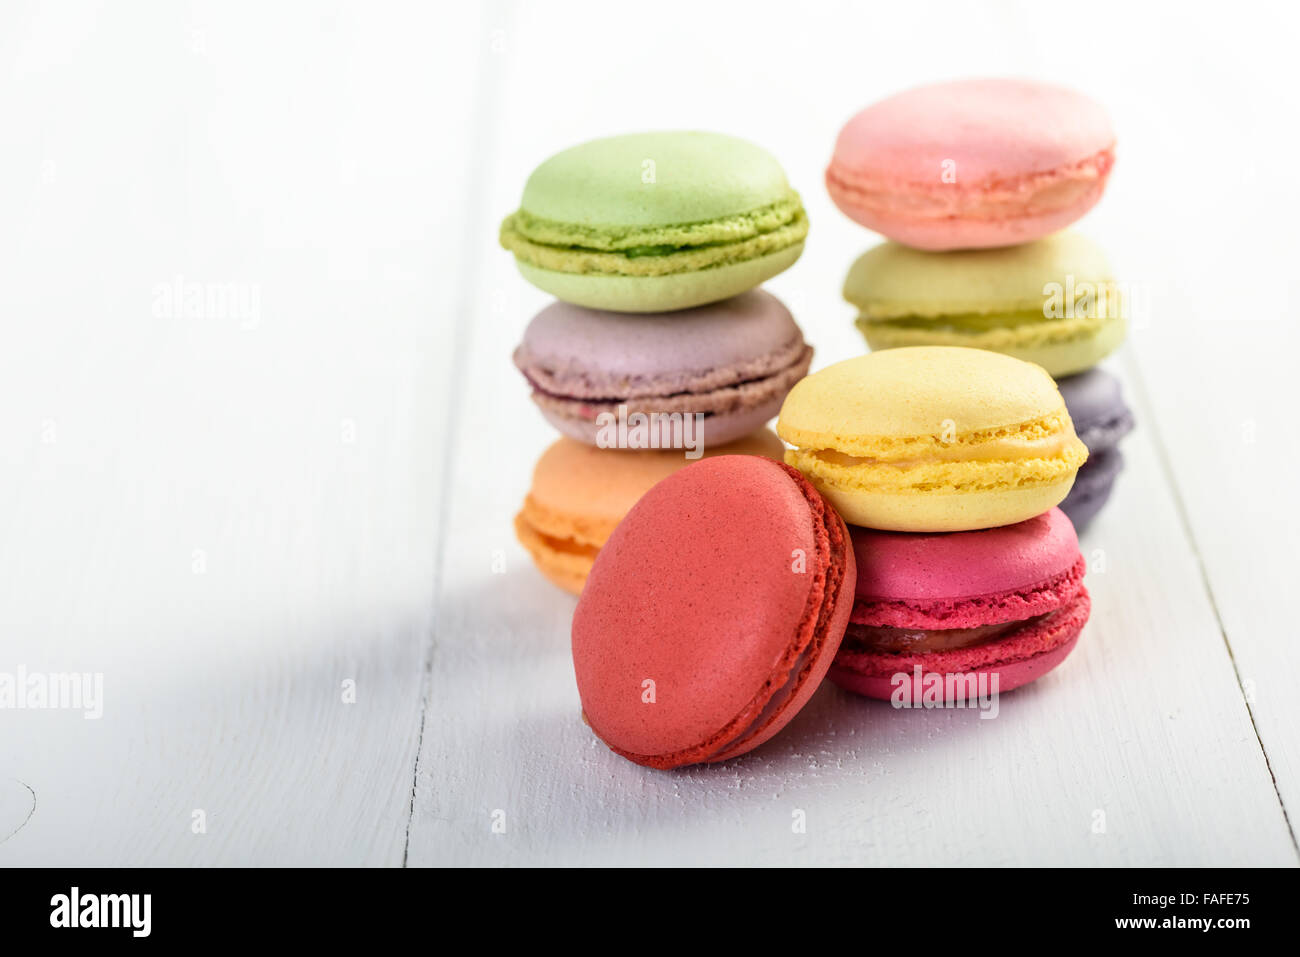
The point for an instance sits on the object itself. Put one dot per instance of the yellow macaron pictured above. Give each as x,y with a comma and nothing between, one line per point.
581,492
933,439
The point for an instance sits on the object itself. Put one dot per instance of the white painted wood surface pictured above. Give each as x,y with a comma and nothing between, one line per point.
232,517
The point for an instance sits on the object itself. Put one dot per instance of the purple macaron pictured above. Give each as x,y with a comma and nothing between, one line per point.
731,362
1101,419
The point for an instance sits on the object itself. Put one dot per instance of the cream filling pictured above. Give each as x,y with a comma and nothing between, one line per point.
1045,447
889,640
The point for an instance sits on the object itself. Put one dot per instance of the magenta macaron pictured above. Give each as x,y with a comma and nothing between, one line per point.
991,609
972,163
731,362
712,613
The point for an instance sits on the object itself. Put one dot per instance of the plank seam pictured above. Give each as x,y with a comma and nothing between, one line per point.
487,94
1180,506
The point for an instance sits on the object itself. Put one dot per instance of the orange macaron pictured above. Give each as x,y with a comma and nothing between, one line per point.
580,493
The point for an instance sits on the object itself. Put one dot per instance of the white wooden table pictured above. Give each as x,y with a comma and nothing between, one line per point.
245,517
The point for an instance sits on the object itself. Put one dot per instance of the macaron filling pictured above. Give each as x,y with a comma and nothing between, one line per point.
1035,453
531,535
881,629
1009,599
564,555
1000,331
888,639
1025,639
710,393
647,251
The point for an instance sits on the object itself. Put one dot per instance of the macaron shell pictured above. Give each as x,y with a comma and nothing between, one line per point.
913,392
683,605
942,570
640,294
1093,487
1096,404
1016,659
719,610
655,178
990,129
892,280
943,512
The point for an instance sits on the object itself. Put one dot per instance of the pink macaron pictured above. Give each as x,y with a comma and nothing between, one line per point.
973,163
712,613
964,612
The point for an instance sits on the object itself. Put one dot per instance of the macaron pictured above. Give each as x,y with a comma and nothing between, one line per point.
933,439
730,362
651,222
712,613
972,163
1052,301
1101,419
962,614
580,493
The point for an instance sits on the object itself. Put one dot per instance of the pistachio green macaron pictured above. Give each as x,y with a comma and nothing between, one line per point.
1053,302
652,222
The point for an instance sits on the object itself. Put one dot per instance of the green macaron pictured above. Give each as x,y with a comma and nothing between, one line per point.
1053,302
651,222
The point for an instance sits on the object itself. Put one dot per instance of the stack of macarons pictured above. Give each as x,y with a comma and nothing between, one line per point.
908,548
972,183
948,464
660,347
907,540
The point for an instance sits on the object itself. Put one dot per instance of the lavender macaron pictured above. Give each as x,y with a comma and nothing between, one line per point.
1101,419
723,368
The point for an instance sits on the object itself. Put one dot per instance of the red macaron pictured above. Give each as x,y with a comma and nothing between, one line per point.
948,613
712,613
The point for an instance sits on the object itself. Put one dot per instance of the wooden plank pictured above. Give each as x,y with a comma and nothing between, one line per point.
1221,447
1143,724
229,516
1140,750
1214,347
